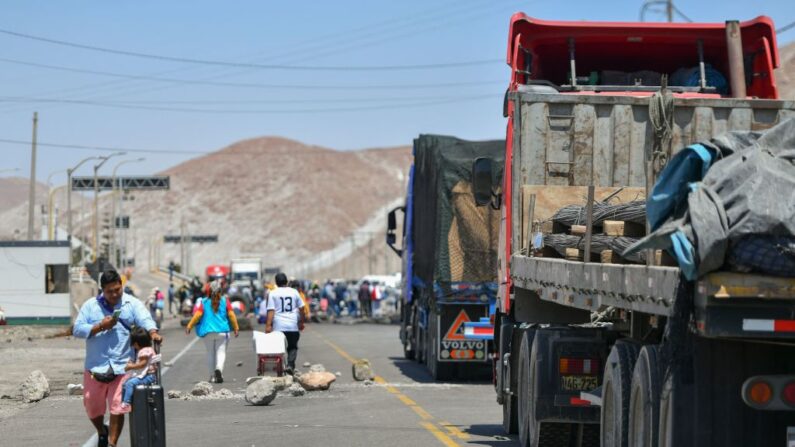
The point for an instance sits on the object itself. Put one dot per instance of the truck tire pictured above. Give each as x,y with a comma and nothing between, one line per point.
409,323
510,340
665,435
524,393
616,387
644,403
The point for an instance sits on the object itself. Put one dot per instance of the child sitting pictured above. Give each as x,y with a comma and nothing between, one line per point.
142,371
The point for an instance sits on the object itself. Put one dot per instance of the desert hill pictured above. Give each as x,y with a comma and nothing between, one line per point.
785,74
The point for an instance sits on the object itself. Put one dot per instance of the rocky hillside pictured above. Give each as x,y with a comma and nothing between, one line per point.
785,74
274,198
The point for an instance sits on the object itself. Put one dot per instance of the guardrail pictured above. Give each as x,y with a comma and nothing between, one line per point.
177,275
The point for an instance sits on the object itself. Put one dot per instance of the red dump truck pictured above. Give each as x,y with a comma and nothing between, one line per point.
591,349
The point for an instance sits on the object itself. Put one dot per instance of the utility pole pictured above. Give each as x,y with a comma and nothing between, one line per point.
32,192
669,10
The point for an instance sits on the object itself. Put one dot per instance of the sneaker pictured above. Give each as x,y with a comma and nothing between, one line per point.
218,377
102,439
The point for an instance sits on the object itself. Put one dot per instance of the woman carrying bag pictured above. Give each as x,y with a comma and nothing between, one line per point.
214,319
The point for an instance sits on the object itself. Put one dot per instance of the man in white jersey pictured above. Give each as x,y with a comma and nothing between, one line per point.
286,314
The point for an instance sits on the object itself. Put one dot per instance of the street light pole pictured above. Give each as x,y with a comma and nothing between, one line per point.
32,192
113,206
69,197
96,201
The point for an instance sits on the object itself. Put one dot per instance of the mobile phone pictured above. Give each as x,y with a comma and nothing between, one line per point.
116,314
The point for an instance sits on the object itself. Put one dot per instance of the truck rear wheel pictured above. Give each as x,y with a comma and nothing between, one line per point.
510,341
524,393
644,405
616,387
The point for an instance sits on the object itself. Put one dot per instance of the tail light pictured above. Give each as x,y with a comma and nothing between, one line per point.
760,393
788,394
572,365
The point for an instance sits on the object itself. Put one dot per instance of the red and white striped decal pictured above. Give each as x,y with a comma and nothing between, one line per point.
754,325
470,331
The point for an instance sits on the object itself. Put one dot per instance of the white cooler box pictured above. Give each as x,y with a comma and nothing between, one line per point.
271,352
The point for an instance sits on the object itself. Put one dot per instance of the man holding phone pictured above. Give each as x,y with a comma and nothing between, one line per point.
105,323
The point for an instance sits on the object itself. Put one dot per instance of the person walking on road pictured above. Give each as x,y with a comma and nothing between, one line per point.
364,299
172,300
214,319
105,322
286,315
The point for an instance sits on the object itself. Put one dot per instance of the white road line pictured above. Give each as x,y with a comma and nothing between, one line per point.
92,441
180,354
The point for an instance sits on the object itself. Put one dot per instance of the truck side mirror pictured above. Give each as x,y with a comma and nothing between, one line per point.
482,180
391,227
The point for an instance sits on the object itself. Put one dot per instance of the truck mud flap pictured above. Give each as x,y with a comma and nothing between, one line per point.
568,361
453,343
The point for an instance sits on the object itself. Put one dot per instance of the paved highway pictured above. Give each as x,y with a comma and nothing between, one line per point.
404,407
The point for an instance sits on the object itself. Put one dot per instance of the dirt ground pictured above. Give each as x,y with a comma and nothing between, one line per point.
24,349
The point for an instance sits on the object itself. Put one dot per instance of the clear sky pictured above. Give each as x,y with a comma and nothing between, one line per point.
312,106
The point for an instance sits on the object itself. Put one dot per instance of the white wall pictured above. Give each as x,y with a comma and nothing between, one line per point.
22,282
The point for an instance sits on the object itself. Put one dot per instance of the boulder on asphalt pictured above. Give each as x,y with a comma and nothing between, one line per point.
202,389
363,370
317,381
74,389
261,392
281,383
223,393
175,394
35,387
296,390
250,380
318,367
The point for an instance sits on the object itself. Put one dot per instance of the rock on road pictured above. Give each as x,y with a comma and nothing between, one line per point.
402,407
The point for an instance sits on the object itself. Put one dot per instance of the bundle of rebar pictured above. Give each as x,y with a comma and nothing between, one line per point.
628,211
599,242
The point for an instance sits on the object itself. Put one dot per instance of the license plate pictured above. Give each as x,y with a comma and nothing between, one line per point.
578,383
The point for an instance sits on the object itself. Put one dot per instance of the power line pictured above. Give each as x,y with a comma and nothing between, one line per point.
244,84
785,28
39,100
187,60
449,100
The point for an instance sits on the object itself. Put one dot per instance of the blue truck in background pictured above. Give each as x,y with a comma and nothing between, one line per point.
449,257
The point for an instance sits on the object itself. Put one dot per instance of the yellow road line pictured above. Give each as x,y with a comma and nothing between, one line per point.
433,429
421,412
443,438
454,430
406,400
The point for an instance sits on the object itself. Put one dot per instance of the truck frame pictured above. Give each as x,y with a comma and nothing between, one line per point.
591,353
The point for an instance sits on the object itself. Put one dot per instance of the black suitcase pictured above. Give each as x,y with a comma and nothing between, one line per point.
148,416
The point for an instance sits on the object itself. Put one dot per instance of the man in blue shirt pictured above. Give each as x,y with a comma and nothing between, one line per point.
105,323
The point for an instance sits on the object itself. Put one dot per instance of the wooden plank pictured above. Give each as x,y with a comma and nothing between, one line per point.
611,257
578,230
549,199
661,257
531,206
622,228
588,222
573,254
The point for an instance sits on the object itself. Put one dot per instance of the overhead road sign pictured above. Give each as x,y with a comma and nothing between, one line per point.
149,183
196,238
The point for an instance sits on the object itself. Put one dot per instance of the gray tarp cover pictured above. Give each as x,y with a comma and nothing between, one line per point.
749,191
